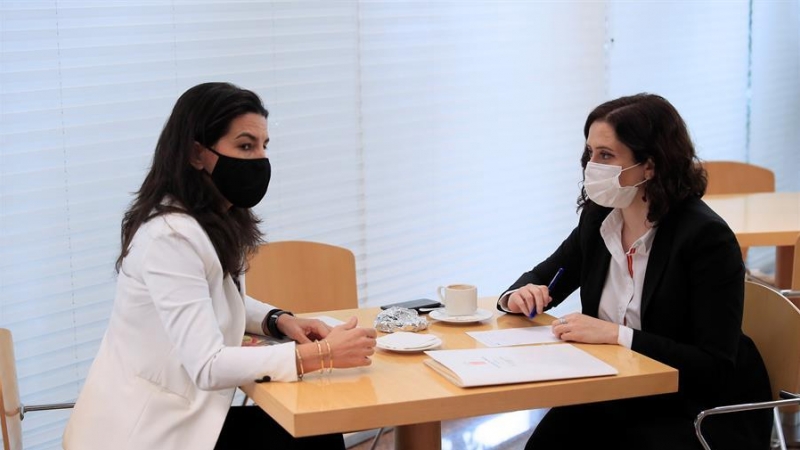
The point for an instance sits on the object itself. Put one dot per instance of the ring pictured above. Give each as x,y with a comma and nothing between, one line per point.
562,321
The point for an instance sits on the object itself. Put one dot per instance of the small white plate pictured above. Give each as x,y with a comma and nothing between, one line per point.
395,345
480,314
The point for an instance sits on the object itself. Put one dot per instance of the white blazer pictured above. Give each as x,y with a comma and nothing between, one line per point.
170,361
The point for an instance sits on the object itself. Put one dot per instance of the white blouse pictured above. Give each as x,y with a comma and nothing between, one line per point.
621,299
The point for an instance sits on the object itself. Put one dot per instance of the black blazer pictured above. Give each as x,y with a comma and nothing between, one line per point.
692,302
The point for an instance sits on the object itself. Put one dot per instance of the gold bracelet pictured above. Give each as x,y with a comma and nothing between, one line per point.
321,358
330,356
300,360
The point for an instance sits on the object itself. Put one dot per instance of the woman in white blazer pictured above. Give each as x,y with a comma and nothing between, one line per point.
171,359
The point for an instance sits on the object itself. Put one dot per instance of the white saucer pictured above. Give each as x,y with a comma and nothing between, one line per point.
480,314
392,343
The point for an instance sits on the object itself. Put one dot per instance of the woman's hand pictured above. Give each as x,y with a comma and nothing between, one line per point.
528,298
302,330
577,327
352,346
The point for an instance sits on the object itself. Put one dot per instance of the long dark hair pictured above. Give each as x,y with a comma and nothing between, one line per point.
203,114
652,128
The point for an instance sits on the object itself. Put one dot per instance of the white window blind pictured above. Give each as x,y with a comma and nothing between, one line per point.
312,92
775,91
472,127
439,141
85,88
82,95
695,54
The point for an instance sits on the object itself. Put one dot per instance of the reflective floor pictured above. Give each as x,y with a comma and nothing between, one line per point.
500,432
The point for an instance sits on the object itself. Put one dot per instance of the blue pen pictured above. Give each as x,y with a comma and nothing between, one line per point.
549,288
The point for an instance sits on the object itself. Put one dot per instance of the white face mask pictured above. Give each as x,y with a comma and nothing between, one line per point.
601,182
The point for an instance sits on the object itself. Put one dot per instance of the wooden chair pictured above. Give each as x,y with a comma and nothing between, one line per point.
13,410
302,276
774,325
796,266
793,294
734,177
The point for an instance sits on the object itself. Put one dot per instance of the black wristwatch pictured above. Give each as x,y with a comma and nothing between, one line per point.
272,323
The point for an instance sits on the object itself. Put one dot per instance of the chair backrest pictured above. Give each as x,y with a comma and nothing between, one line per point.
302,276
773,323
10,420
733,177
796,266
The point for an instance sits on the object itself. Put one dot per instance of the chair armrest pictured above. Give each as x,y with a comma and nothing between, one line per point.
788,398
788,395
47,407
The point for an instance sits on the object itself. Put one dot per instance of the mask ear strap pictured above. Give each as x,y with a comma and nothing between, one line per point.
219,155
213,151
644,193
631,167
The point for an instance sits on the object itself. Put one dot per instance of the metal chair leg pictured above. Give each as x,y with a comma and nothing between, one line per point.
377,438
778,430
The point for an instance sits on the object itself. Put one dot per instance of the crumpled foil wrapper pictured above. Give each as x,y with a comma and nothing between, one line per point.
400,319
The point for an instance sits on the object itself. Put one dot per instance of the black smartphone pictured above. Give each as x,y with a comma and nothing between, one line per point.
426,303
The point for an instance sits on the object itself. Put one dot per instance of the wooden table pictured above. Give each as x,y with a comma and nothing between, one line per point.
399,390
765,219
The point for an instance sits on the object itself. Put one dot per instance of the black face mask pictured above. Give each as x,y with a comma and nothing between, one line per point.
243,182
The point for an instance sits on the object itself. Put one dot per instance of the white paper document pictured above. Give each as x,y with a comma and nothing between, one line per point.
489,366
330,321
515,336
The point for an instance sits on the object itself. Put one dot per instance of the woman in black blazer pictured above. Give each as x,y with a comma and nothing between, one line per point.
660,273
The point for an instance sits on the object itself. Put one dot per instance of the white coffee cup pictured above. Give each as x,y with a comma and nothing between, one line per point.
459,299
